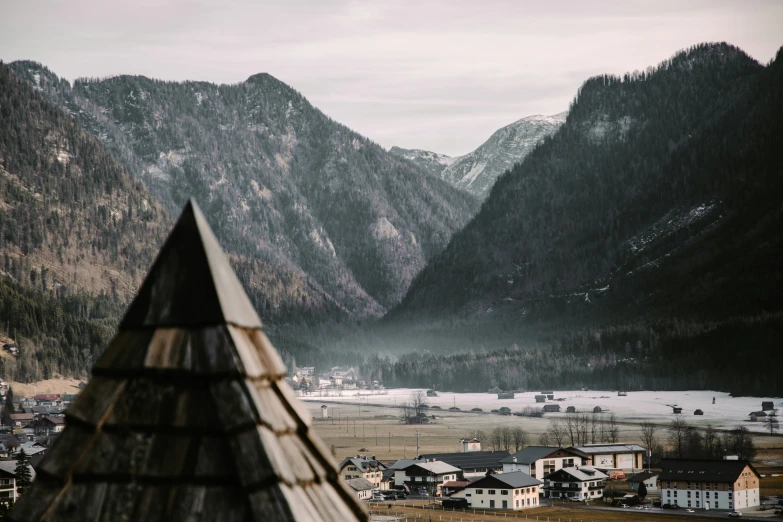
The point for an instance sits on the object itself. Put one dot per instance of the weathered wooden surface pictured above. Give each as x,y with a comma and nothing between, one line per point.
187,417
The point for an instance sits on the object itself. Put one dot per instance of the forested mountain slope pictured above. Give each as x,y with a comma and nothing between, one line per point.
77,234
432,162
658,200
322,222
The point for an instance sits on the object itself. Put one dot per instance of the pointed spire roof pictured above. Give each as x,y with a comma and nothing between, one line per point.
191,283
187,415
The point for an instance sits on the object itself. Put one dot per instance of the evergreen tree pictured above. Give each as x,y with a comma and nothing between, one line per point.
642,490
22,471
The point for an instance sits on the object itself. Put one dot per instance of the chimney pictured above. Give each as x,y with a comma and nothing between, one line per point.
373,457
513,459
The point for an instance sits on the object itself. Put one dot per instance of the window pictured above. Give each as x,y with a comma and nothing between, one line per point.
707,494
517,503
479,491
504,492
689,494
669,493
491,503
490,492
689,503
505,504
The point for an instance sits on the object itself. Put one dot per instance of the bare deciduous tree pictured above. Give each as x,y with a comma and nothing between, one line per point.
558,431
518,437
612,429
678,436
413,410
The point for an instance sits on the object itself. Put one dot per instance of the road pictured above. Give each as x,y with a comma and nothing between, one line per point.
655,510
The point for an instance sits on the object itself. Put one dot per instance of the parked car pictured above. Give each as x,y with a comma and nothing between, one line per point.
400,494
623,505
575,499
735,514
689,511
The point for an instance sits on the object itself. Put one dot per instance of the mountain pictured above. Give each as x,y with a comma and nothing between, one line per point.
321,223
656,203
77,234
477,171
432,162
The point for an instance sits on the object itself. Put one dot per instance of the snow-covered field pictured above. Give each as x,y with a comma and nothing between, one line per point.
727,411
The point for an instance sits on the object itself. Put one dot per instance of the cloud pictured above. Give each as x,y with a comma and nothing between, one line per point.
420,74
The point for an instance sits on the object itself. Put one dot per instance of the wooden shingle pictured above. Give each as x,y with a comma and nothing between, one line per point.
187,416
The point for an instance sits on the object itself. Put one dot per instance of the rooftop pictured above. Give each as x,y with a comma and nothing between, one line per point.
438,467
590,449
515,479
531,454
360,484
583,473
703,470
470,459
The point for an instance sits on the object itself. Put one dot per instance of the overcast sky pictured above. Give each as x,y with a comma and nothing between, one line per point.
440,76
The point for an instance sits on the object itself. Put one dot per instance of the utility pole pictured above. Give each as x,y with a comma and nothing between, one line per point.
417,443
389,442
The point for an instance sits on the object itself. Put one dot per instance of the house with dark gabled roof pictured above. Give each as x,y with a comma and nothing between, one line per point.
581,482
539,461
512,491
187,415
727,484
427,475
471,463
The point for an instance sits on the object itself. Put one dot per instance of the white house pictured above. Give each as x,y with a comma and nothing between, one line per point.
9,491
583,483
624,457
709,484
362,487
539,461
513,491
648,478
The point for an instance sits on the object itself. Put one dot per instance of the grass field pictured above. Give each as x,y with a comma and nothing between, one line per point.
771,486
420,511
376,430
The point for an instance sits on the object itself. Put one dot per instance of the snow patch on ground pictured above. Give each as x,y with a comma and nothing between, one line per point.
726,413
473,173
669,224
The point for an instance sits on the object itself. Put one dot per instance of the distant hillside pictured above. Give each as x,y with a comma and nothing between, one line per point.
322,222
658,200
77,234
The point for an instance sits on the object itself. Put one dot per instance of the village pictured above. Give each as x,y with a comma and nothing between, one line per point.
419,457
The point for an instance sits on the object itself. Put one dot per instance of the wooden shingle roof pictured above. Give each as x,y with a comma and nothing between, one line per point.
187,416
